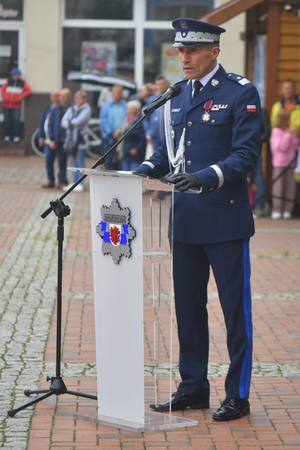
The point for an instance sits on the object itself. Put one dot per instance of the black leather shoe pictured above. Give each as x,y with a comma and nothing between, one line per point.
231,409
180,401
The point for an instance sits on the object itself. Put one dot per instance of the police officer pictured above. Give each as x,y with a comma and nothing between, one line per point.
212,143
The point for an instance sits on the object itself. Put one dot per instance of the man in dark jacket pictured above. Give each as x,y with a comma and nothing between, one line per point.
57,135
44,140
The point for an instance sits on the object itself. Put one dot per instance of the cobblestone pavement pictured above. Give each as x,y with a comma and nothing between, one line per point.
28,278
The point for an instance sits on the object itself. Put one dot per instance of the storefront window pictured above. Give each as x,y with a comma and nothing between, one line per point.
170,9
11,10
99,9
160,58
106,50
9,53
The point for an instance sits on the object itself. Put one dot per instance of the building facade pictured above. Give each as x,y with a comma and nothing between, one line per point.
47,40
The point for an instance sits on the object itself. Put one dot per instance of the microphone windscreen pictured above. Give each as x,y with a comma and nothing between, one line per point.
175,90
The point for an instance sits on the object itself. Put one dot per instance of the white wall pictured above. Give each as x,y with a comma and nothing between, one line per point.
42,18
232,56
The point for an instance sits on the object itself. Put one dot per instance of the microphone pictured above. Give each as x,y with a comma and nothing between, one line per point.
173,91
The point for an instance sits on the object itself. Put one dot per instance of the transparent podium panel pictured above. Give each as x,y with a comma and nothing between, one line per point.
135,323
159,318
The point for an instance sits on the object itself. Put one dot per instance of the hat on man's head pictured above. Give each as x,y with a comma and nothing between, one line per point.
192,32
15,72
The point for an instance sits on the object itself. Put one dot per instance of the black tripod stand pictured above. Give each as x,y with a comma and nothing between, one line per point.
57,386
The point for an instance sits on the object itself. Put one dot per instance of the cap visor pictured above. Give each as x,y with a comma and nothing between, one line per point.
190,44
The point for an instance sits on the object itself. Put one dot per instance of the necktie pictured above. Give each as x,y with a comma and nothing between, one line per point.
197,86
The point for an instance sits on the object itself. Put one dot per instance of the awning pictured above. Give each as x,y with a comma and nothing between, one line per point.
232,9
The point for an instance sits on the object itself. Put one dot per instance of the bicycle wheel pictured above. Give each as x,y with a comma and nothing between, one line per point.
35,144
94,141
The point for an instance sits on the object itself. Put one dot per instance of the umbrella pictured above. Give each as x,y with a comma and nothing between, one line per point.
98,78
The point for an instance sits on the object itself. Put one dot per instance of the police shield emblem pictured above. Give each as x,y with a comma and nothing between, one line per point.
115,231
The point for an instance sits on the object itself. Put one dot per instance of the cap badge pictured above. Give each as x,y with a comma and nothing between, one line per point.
214,82
183,24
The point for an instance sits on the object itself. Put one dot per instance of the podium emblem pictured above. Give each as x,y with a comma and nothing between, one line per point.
115,231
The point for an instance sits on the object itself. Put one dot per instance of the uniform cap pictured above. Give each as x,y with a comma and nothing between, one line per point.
192,32
15,72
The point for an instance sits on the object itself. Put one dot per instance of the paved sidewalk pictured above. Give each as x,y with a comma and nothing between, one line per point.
28,258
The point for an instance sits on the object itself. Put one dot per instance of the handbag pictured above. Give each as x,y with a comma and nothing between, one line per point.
70,145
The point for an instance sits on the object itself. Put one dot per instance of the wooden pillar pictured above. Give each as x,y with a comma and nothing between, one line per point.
272,52
271,78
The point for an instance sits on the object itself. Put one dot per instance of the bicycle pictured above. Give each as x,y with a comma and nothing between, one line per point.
94,140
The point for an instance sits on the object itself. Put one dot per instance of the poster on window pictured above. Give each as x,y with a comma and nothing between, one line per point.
171,66
98,55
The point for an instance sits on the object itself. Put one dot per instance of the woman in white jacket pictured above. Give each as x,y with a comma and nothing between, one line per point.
76,120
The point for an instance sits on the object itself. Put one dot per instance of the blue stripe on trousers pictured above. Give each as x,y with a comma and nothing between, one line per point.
245,375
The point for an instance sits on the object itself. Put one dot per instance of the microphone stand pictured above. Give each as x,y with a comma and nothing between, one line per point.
61,210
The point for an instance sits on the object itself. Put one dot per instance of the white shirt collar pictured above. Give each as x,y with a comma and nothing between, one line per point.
207,77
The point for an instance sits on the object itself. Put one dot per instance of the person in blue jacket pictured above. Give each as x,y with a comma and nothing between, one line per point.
44,139
57,134
111,116
154,123
132,148
212,142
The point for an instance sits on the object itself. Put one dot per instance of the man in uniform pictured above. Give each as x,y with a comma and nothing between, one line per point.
212,142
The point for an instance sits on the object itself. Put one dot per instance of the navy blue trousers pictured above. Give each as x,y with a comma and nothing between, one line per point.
11,124
230,262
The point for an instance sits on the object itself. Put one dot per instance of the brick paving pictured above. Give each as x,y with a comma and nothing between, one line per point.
28,322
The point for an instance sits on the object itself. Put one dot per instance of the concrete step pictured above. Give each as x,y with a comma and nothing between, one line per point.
12,148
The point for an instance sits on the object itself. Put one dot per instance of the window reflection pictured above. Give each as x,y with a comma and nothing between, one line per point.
99,9
160,57
9,52
170,9
107,50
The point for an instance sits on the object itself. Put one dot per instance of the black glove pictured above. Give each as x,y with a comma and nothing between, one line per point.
184,181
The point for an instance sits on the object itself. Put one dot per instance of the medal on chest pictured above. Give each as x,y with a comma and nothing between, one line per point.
207,108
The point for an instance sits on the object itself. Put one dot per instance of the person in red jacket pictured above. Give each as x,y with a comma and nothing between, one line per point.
13,92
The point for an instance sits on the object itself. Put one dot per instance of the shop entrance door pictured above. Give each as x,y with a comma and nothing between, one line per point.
11,53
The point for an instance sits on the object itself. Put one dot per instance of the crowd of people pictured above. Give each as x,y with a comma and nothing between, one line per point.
284,144
63,121
281,130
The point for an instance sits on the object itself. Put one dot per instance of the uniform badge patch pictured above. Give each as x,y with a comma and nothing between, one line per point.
214,82
244,81
115,231
251,108
218,107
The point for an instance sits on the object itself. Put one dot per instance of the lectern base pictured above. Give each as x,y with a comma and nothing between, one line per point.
153,421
